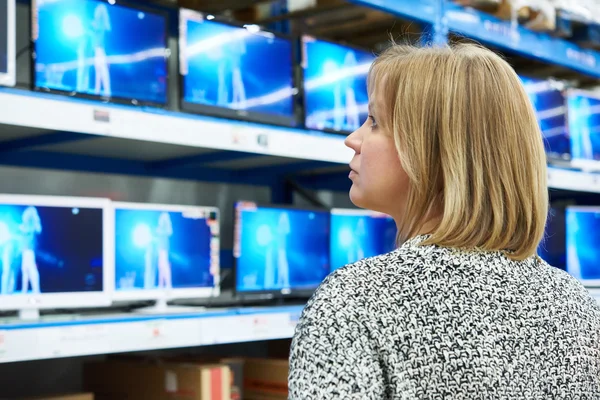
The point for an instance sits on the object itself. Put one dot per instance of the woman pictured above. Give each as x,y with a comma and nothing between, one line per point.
463,309
164,231
31,227
100,26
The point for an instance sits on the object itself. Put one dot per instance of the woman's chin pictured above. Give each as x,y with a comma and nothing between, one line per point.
356,196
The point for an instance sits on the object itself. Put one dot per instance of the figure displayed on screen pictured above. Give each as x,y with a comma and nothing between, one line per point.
283,267
9,268
352,111
157,247
31,227
164,231
356,251
330,69
582,146
100,26
84,48
276,260
346,115
230,81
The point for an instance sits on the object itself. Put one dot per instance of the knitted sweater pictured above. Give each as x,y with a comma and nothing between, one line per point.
426,322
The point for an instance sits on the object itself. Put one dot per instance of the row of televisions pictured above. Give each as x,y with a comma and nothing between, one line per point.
73,252
569,120
108,50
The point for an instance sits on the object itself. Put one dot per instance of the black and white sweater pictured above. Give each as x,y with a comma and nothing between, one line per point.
426,322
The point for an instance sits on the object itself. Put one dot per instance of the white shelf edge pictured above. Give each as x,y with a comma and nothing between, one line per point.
59,113
143,334
579,181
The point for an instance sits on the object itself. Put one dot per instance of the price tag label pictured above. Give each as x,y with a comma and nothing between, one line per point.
102,116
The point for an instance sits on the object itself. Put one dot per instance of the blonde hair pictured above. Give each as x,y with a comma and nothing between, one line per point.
468,139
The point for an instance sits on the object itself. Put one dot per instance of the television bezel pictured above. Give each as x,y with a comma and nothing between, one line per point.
173,293
303,60
9,78
113,99
67,300
302,293
291,121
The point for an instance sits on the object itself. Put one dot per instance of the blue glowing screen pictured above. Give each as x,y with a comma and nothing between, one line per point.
551,112
157,249
50,249
92,47
584,126
552,248
335,85
354,237
235,68
281,248
583,243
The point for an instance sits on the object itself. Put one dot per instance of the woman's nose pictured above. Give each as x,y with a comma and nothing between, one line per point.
354,141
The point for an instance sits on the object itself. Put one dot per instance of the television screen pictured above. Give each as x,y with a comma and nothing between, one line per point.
584,125
165,249
48,249
552,249
335,85
97,48
7,43
551,112
229,67
357,234
583,244
280,249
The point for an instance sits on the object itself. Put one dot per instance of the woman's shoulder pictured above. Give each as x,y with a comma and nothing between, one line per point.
357,282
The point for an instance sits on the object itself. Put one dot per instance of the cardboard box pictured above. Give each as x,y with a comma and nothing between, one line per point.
236,369
78,396
137,379
266,379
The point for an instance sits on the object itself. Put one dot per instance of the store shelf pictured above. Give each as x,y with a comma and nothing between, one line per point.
70,336
422,10
573,180
541,46
51,131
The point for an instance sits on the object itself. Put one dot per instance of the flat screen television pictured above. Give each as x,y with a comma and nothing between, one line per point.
583,114
552,249
583,244
8,62
165,252
235,71
550,106
334,85
280,251
56,253
356,234
101,49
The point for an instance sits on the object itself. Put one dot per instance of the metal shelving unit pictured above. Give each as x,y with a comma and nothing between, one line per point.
47,131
